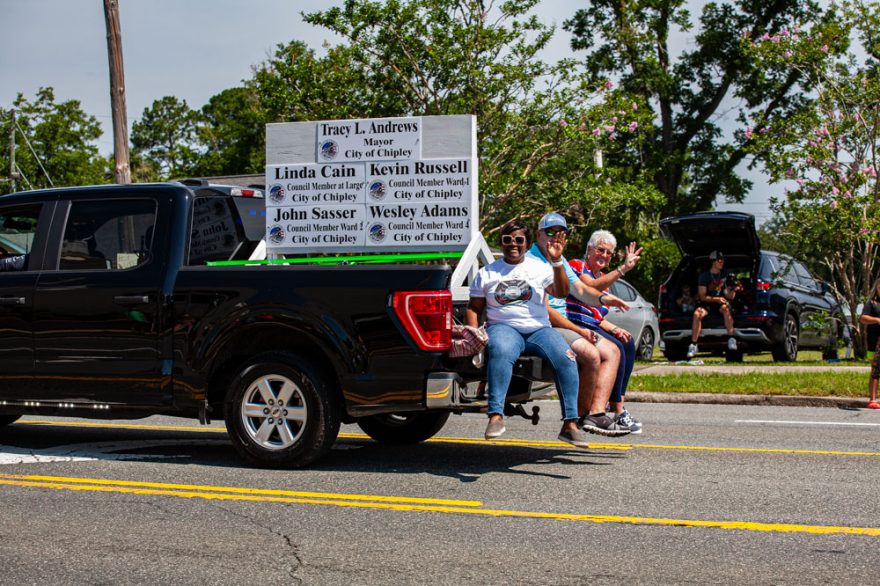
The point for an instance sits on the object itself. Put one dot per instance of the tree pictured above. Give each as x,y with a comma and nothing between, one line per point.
686,156
827,149
437,57
232,134
166,136
55,143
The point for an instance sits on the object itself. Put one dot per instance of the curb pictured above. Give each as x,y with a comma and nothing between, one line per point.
767,400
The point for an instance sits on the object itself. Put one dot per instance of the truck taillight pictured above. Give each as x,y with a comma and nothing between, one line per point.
426,316
762,285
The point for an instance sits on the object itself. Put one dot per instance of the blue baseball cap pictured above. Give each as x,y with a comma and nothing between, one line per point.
553,220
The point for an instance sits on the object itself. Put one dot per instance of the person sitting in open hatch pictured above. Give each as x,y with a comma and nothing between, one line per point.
713,295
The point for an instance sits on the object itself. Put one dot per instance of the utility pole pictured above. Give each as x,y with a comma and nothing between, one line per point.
13,174
122,172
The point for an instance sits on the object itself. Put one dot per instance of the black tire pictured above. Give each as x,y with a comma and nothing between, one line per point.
675,352
787,349
403,428
308,409
8,419
645,351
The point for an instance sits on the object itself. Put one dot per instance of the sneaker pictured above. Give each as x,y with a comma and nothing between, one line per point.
495,429
731,343
602,425
575,437
692,351
627,421
873,405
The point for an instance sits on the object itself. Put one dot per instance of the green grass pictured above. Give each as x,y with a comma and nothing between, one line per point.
836,383
805,358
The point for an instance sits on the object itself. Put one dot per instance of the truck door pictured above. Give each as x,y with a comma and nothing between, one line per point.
21,245
97,322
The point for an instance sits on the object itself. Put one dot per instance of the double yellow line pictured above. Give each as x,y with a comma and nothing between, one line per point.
393,503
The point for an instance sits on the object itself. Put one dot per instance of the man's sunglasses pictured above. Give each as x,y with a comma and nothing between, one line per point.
554,232
507,240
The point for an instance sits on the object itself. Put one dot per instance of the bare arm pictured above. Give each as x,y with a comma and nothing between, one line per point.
632,257
591,296
703,294
557,320
560,286
868,319
474,310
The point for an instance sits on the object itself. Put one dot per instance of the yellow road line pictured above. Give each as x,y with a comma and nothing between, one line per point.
238,490
479,441
629,520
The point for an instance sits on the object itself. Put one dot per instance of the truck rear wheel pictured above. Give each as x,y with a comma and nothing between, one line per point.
280,412
403,428
787,348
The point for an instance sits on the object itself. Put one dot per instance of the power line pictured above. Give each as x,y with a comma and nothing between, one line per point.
34,153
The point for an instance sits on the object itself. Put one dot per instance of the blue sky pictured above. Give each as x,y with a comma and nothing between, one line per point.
191,49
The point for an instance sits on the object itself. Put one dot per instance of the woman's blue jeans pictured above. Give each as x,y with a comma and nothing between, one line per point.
506,345
627,361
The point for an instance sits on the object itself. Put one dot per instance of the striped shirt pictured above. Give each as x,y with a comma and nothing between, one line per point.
575,309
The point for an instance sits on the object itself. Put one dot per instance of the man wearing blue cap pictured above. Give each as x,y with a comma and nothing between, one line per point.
595,366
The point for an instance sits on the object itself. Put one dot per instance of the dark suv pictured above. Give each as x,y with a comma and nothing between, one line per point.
781,308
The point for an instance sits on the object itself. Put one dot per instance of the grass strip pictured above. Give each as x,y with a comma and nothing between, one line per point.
838,383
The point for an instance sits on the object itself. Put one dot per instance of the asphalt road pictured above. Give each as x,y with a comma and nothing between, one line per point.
708,494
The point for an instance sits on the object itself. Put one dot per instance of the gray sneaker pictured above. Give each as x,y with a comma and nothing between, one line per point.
575,437
495,429
602,425
692,351
627,421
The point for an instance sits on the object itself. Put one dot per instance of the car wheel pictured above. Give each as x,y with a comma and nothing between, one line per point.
787,349
675,352
8,419
280,412
645,351
403,428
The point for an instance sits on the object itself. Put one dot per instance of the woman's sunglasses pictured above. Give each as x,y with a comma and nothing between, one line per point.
507,240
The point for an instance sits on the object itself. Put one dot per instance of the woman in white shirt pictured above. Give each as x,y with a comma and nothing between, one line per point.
513,292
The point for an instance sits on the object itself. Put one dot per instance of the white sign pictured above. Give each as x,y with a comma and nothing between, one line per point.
361,198
376,139
315,183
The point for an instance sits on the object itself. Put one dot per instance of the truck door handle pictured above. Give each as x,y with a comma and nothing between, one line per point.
12,301
131,299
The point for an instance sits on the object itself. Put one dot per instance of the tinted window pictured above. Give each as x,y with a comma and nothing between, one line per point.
623,291
107,235
804,276
17,228
217,231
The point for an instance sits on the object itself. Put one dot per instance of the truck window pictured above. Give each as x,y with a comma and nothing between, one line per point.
217,231
17,228
107,235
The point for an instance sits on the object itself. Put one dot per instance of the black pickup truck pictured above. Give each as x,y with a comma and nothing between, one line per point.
119,310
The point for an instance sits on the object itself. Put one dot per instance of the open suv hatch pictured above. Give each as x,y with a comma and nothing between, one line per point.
782,307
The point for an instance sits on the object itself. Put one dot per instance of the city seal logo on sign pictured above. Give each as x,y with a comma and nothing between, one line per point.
329,149
377,232
276,234
276,193
377,190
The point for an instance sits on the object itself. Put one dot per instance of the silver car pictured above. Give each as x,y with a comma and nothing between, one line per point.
640,320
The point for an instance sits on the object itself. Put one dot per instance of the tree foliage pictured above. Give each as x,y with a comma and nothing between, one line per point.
826,150
687,156
55,143
166,136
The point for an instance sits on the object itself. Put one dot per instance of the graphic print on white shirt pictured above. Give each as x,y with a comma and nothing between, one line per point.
515,294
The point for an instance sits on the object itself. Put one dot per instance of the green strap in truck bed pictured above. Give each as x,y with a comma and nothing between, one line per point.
333,260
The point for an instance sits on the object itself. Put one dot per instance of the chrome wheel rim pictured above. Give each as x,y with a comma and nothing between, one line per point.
273,412
791,337
646,344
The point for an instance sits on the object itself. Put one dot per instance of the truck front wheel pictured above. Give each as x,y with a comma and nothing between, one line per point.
280,412
403,428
